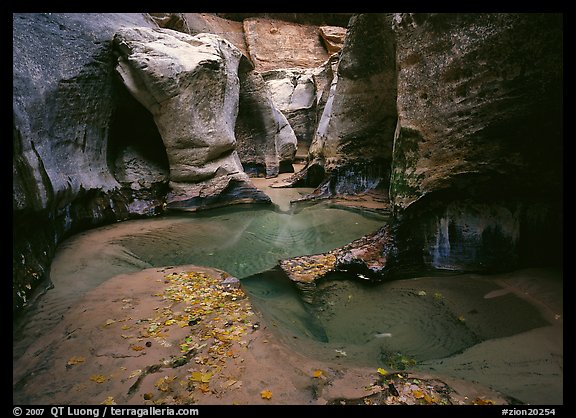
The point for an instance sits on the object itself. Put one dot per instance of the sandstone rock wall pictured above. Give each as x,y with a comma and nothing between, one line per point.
266,141
190,85
478,143
63,104
459,116
354,135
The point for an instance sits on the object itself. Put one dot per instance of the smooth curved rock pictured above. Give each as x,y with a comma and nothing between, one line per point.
196,23
353,140
360,114
293,91
266,141
190,85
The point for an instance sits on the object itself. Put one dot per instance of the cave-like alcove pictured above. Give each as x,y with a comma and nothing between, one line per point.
136,152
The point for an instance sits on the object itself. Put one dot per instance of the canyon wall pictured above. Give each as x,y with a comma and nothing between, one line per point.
65,109
476,177
457,117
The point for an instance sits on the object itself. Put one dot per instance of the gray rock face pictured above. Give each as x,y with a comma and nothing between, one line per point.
266,141
293,91
190,85
63,103
360,115
355,130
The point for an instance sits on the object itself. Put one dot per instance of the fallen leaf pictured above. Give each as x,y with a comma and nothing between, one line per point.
201,377
109,322
75,360
204,387
317,373
98,378
137,347
125,327
480,401
163,384
135,373
148,396
108,401
382,371
417,394
266,394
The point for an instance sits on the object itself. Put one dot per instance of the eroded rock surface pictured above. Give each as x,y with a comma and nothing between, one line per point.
469,168
190,85
274,44
64,101
266,141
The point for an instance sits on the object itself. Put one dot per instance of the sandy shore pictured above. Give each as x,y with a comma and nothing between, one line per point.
139,339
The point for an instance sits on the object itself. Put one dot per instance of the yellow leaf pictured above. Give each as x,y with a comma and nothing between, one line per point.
417,394
137,347
382,371
98,378
75,360
108,401
429,399
204,387
125,327
480,401
461,318
109,322
266,394
163,384
317,373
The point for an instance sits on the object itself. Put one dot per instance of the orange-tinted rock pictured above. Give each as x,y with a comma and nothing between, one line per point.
274,44
333,37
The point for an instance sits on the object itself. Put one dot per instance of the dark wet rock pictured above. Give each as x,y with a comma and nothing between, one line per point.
355,130
470,169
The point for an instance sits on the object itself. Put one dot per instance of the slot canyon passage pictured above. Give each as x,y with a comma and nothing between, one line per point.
290,208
